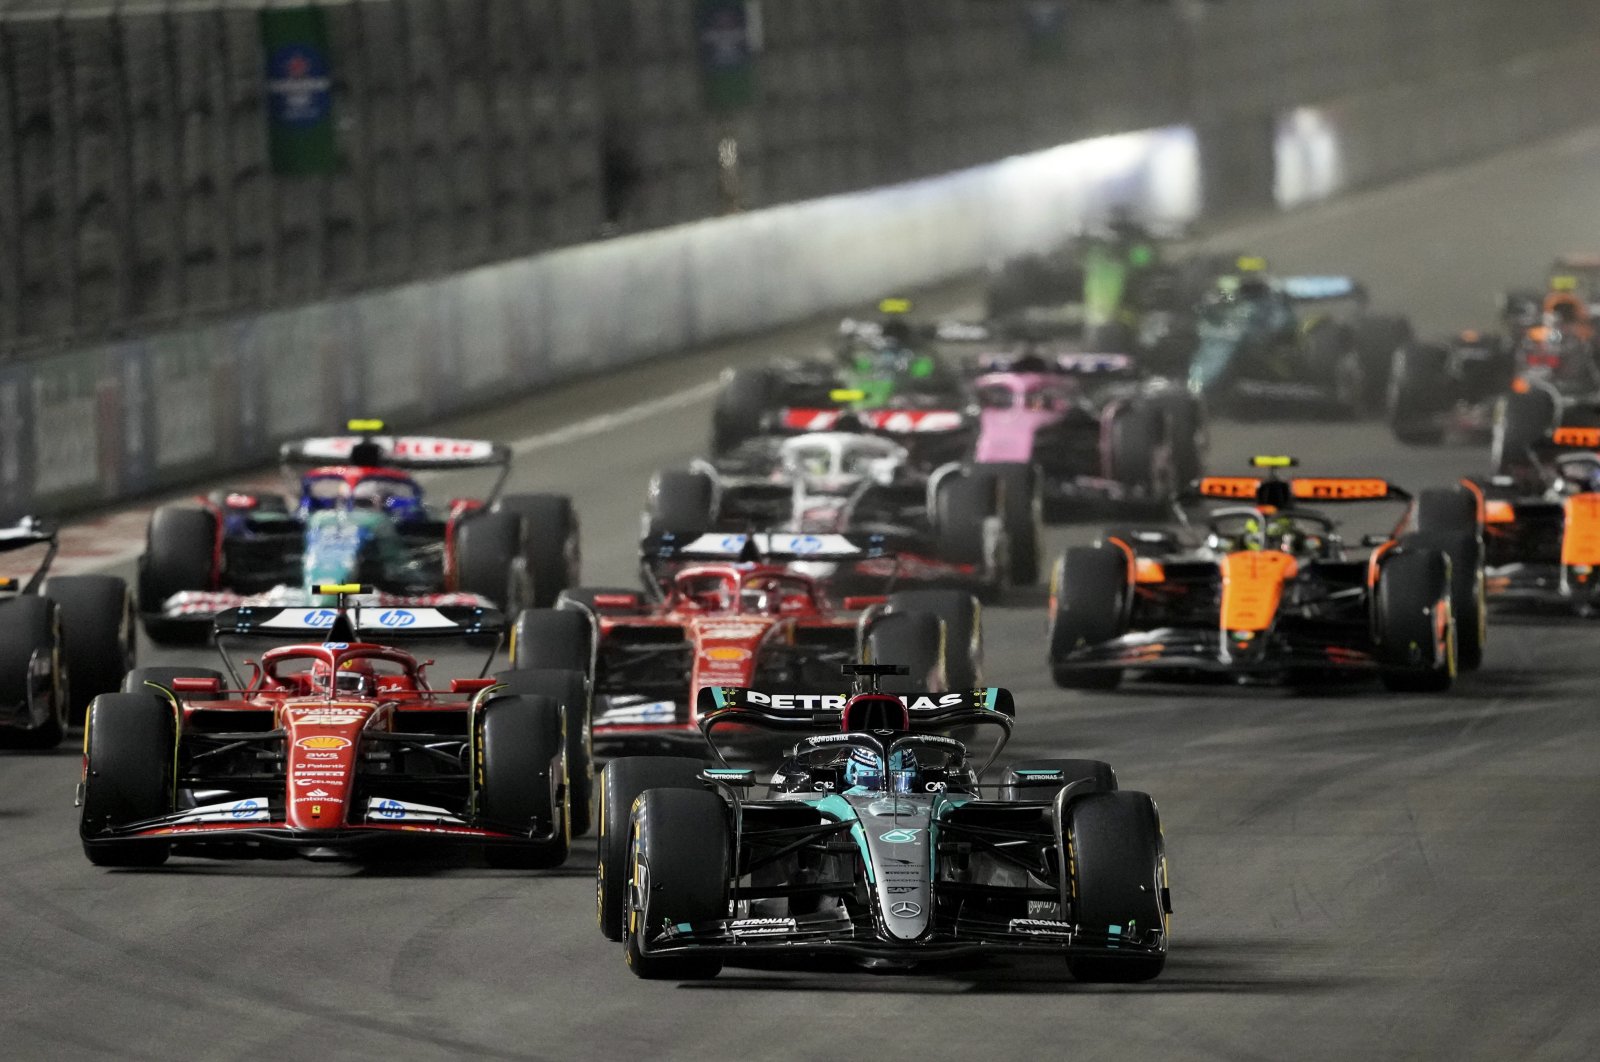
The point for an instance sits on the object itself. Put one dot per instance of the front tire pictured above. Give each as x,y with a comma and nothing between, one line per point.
129,752
915,639
680,850
1413,587
553,551
1118,881
620,785
490,560
570,690
97,630
962,615
523,786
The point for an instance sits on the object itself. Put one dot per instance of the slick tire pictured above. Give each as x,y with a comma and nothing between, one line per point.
1413,585
620,785
491,560
741,404
1088,595
98,634
1377,338
680,503
180,554
523,784
680,851
553,551
1469,606
559,639
1522,420
1043,779
1418,389
1138,458
30,629
916,640
570,690
129,745
1021,513
1118,880
962,615
1186,436
962,509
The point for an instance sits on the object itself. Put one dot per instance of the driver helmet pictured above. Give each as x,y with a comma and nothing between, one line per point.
352,678
1279,533
396,500
865,769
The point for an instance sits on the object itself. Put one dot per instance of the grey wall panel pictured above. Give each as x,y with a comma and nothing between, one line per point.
44,178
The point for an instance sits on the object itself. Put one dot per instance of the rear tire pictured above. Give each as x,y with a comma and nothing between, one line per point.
620,785
1448,520
30,626
1412,586
962,616
680,503
558,639
963,507
97,630
740,408
522,767
491,560
129,751
180,554
553,551
1138,436
1523,419
681,848
915,639
1119,878
570,690
1419,388
1021,513
1088,594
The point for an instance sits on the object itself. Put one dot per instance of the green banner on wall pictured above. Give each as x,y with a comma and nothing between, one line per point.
727,53
299,90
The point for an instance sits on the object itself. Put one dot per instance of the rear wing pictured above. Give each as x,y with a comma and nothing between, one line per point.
1280,492
24,534
1066,363
773,546
444,622
719,705
889,421
414,452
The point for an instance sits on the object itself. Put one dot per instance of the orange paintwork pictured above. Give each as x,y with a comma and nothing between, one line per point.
1131,555
1585,438
1580,542
1339,488
1252,585
1149,571
1498,512
1241,487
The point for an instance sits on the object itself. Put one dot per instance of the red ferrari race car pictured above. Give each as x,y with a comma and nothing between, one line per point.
706,618
334,746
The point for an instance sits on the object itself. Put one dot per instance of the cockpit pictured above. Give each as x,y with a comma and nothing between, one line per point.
1030,395
836,461
361,672
761,593
1297,532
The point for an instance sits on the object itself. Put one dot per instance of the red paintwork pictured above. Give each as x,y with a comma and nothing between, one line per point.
323,729
727,635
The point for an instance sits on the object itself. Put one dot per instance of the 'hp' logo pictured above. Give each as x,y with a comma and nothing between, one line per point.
245,809
390,809
805,544
322,617
397,617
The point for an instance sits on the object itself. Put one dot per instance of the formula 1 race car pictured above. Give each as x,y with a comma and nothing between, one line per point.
1091,425
1542,529
359,517
712,613
882,375
334,747
1306,340
975,527
876,841
63,639
1271,591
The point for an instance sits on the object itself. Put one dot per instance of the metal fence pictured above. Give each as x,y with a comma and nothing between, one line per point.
137,191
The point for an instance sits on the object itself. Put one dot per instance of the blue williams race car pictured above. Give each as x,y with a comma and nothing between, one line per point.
876,841
359,517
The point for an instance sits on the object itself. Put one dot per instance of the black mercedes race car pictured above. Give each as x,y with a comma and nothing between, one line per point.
877,840
63,640
1269,590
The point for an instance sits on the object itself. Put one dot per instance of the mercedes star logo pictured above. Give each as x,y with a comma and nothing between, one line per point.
905,909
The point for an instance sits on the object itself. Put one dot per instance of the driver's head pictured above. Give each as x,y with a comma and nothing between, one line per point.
1253,289
865,769
352,678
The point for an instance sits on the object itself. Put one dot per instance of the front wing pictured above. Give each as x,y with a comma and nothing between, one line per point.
1198,649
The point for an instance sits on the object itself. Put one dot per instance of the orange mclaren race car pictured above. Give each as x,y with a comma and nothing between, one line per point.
1268,589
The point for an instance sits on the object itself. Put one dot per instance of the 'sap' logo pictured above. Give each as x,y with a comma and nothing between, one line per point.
397,617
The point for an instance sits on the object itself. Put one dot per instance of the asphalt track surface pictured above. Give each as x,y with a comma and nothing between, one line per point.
1354,875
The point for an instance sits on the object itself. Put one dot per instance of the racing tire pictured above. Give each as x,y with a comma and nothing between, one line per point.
680,851
162,675
1418,389
1119,880
98,634
1412,586
522,780
180,554
962,615
1088,595
1186,436
1377,338
570,690
553,550
680,503
1522,420
1469,606
491,560
621,783
915,639
1022,515
559,639
1049,777
130,744
1138,460
30,627
740,408
962,510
